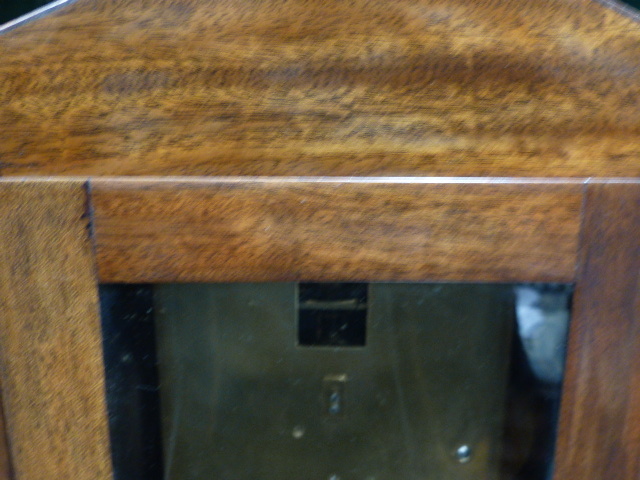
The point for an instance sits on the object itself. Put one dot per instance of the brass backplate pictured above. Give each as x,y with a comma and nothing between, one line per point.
423,399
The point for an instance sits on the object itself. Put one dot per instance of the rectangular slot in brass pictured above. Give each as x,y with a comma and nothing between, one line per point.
332,314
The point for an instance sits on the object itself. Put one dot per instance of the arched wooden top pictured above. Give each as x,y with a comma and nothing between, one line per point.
322,87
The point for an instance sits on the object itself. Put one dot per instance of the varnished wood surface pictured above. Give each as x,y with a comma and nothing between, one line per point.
50,343
322,87
5,456
600,424
261,230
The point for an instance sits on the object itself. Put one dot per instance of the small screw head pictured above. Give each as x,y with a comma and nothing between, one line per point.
463,454
298,432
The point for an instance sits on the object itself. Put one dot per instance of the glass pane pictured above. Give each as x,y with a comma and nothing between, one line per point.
339,381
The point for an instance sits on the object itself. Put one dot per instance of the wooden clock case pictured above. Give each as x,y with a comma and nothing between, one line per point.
205,141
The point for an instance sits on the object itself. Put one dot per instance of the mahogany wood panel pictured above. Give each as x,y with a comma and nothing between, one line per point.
600,423
277,230
5,456
322,87
50,341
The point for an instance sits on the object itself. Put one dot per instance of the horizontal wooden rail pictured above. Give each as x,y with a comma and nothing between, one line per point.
199,230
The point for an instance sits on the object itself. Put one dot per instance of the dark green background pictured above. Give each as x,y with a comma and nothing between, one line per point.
10,9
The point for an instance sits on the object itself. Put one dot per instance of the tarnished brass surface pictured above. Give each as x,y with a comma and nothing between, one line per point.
241,400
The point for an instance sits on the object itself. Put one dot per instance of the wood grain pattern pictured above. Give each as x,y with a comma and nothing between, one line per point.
261,230
310,87
600,423
50,342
